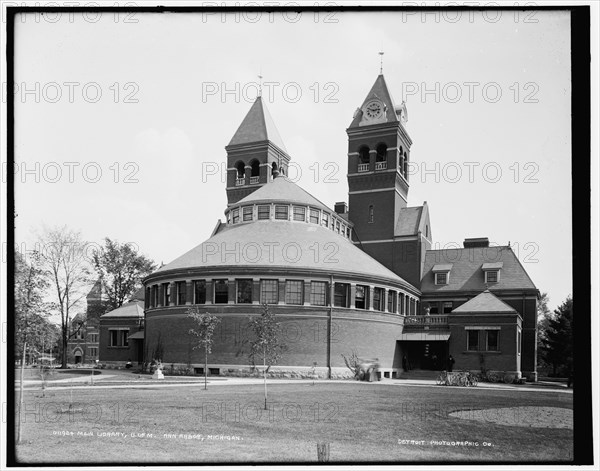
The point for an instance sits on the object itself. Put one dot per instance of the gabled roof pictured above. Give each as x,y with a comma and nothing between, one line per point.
484,302
131,309
412,220
380,91
257,126
281,189
467,273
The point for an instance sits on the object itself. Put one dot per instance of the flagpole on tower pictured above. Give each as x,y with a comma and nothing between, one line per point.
381,62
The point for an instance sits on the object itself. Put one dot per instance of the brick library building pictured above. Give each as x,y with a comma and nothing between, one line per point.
359,278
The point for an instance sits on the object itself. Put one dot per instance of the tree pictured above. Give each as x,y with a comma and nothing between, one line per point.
205,328
121,269
557,349
543,317
266,345
66,266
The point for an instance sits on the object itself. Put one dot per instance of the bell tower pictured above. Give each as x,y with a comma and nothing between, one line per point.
378,156
254,153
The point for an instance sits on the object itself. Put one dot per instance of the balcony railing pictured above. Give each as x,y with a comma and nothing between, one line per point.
254,180
240,181
363,167
380,165
432,320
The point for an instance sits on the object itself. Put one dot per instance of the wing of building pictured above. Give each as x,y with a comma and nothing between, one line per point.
361,277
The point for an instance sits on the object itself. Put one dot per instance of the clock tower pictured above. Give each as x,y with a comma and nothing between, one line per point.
378,181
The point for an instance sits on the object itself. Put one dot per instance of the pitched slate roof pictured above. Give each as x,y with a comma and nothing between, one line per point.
282,189
257,126
467,273
380,91
131,309
484,302
261,244
409,220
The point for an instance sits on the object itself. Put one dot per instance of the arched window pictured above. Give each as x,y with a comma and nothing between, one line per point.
363,153
255,168
241,169
274,169
381,153
405,166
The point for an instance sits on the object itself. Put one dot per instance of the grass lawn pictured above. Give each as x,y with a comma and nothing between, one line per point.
361,421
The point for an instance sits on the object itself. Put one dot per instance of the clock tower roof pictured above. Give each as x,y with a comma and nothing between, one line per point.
257,126
380,94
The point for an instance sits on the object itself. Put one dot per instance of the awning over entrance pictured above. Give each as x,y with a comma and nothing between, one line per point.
137,336
427,336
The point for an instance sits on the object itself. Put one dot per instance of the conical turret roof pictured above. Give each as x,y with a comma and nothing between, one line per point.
257,126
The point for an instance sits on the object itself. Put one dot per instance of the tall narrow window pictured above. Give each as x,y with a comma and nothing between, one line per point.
378,295
360,300
293,292
221,291
269,291
391,301
167,291
255,168
371,214
154,295
181,293
341,294
318,293
401,303
247,213
199,292
244,291
235,216
381,153
148,298
314,216
325,219
241,169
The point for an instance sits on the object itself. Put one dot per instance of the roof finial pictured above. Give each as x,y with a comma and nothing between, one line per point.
260,77
381,62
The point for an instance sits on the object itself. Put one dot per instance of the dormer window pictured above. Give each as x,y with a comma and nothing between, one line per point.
441,278
491,272
442,273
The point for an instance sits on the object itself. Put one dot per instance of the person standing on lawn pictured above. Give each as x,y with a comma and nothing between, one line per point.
450,363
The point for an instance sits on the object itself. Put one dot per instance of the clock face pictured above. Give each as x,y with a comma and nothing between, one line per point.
373,110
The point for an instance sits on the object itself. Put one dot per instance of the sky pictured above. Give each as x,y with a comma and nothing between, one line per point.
121,122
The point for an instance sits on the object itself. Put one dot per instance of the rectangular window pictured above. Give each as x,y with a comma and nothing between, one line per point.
341,294
519,342
360,300
221,291
293,292
325,219
391,301
318,293
492,340
113,336
247,213
441,278
181,293
281,212
235,217
125,338
371,214
244,291
167,291
401,301
378,299
155,296
434,308
93,338
491,276
199,292
92,352
269,291
118,338
299,213
337,226
472,340
447,307
148,298
264,212
314,216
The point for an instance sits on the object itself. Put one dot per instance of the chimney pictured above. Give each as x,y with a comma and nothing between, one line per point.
476,242
341,207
